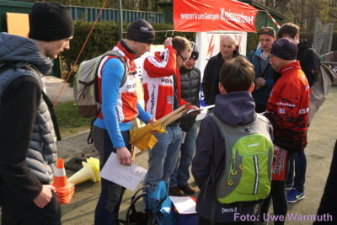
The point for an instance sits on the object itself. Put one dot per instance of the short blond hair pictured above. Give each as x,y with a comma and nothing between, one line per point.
181,44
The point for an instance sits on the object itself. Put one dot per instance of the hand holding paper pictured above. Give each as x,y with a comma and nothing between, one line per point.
126,176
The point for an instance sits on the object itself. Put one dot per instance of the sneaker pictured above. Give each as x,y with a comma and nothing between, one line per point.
175,191
188,189
293,196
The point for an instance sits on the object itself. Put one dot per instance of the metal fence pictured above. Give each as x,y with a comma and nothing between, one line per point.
77,12
90,14
322,37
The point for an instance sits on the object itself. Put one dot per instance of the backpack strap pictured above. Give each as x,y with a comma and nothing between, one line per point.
121,58
220,125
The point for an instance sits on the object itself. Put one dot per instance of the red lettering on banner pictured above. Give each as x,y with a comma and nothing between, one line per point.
210,47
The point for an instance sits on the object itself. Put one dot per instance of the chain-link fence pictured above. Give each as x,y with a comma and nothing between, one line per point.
322,37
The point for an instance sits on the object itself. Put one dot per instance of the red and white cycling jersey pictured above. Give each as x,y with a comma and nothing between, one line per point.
127,99
158,82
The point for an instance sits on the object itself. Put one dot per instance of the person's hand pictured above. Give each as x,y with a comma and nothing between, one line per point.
123,156
196,110
168,42
152,121
260,82
44,197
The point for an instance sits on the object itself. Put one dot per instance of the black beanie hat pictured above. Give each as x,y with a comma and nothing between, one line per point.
284,49
141,31
50,22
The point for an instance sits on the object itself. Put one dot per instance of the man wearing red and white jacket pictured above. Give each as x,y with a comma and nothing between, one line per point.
162,95
287,110
110,131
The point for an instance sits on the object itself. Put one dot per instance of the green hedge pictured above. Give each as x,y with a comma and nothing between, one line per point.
105,36
252,42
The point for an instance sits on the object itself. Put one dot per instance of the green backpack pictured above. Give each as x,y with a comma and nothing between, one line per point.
249,155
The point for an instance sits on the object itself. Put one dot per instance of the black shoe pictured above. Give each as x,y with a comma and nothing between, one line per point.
188,189
175,191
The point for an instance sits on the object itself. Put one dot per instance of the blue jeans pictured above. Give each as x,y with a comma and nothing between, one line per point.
111,195
299,161
181,173
163,157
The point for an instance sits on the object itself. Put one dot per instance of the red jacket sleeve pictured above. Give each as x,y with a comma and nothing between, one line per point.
161,65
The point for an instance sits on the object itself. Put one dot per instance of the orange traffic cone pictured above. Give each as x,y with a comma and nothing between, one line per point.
64,189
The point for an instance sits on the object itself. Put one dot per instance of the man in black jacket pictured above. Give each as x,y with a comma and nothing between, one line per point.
310,64
190,86
27,137
210,81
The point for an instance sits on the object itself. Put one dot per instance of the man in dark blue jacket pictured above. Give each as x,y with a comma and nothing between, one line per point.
263,71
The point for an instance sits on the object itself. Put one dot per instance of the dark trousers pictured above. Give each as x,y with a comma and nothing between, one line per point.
30,214
259,108
298,161
280,206
111,195
203,221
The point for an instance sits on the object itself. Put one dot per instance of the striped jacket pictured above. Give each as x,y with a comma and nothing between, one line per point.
161,81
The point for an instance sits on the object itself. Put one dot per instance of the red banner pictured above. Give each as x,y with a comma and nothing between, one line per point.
213,15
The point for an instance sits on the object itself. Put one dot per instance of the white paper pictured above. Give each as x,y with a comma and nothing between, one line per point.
184,205
203,112
194,110
126,176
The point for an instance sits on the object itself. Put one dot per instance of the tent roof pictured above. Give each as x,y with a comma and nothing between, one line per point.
262,7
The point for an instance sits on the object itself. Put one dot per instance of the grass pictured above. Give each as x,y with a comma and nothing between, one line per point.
69,121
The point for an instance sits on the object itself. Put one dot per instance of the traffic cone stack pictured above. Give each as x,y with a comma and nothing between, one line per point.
90,171
64,189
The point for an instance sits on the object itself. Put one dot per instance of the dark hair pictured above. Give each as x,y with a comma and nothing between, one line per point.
237,74
181,44
288,29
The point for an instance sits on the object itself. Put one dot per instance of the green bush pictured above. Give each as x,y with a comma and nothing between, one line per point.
252,42
104,37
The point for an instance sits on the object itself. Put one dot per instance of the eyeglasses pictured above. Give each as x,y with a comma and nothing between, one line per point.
182,57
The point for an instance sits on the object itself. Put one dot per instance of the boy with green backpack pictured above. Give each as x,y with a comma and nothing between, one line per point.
232,165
